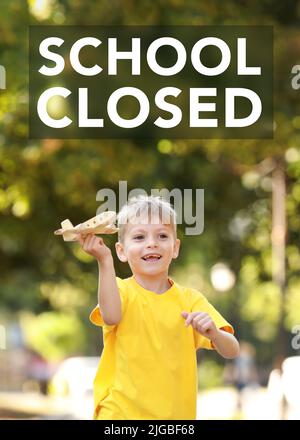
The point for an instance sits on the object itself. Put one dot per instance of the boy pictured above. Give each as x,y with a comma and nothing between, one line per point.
152,326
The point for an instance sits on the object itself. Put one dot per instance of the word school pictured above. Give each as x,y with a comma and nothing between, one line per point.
197,102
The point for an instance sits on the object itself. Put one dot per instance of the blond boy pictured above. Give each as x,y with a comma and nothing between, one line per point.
152,326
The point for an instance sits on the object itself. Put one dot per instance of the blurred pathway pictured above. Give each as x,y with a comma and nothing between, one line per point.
17,405
257,404
216,404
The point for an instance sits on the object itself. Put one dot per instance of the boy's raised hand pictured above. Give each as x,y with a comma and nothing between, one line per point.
95,246
201,322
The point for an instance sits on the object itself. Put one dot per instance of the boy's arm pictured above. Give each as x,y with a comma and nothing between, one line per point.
108,293
224,343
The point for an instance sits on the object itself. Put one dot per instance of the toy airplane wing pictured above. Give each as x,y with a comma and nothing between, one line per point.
103,223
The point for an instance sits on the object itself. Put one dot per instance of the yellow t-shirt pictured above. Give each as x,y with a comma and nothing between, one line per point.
148,367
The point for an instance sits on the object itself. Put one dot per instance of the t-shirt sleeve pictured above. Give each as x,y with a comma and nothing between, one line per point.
200,304
95,315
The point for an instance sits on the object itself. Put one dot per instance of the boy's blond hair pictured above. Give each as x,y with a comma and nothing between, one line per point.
143,207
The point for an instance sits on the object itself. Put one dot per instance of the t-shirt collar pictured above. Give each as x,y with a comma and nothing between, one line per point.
170,290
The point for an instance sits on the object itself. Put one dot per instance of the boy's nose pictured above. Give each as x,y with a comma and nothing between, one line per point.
151,242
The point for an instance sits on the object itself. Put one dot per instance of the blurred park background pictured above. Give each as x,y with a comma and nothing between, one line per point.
247,260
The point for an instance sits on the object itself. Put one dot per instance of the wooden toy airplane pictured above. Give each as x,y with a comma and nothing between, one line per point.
103,223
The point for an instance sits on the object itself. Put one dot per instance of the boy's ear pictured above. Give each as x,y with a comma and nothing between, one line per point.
176,248
120,252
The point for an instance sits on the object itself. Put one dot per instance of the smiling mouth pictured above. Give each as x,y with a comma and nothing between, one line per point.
151,257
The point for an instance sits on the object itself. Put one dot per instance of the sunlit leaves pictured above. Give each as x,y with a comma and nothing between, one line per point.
53,334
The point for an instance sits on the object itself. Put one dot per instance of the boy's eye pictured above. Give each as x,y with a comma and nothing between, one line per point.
163,235
138,237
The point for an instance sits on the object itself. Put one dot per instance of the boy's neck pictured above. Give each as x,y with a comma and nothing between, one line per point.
158,284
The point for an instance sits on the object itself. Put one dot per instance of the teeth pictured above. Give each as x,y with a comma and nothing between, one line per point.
151,256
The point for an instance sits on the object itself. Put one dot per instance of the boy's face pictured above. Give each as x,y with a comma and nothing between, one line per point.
148,247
